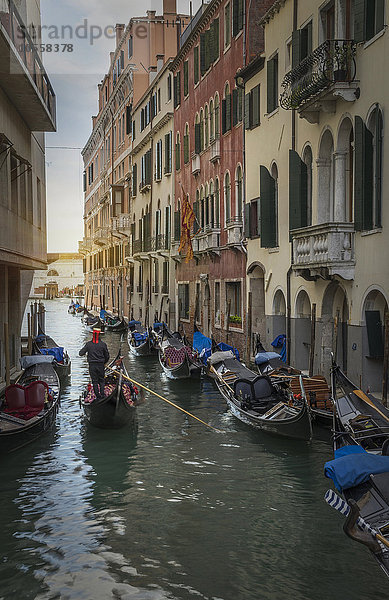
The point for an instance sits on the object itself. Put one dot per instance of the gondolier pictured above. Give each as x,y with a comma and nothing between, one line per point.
98,355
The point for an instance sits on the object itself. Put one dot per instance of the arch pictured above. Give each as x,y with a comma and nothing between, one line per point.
227,197
217,115
206,129
301,333
302,305
211,121
308,161
226,89
344,171
334,317
374,307
238,191
52,273
325,178
279,303
256,287
254,265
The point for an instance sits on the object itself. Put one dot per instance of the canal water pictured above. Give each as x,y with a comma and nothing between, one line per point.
171,510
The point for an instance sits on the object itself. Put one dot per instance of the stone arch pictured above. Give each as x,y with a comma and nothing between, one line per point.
335,314
301,330
278,314
344,171
256,287
307,157
325,179
374,307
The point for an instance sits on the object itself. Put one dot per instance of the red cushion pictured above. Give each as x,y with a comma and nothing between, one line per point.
15,397
36,393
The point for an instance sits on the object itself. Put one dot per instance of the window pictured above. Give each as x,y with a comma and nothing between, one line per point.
302,39
239,192
201,130
186,144
308,160
134,179
211,122
186,78
165,277
183,300
216,222
217,303
237,105
272,84
168,153
177,89
227,197
146,169
227,25
130,46
237,16
178,152
217,116
252,108
169,88
158,160
268,207
226,110
196,64
206,130
233,302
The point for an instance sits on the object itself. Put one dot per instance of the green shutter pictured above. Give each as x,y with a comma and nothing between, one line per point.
379,15
207,49
197,138
212,43
255,120
268,231
186,78
196,213
196,64
235,101
270,86
247,221
235,11
228,112
374,333
295,48
247,122
368,196
178,88
202,53
378,169
177,157
216,39
359,20
359,167
174,94
240,14
298,192
134,179
224,116
128,119
177,226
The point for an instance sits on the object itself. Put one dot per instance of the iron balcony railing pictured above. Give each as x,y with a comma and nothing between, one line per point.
160,242
17,31
332,62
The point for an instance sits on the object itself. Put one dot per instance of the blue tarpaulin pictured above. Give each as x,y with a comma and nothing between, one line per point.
353,465
57,352
264,357
280,342
203,345
131,323
103,314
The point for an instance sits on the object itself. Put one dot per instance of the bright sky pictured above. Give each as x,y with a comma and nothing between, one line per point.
74,77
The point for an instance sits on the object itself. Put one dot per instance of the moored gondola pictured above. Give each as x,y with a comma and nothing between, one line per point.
360,469
257,400
44,344
177,359
140,339
118,407
113,322
29,407
92,322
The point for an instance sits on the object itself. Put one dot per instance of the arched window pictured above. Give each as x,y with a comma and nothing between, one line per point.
211,121
226,109
178,152
186,144
239,192
217,204
206,124
52,273
227,197
201,130
211,206
202,208
274,174
206,206
217,115
373,202
307,159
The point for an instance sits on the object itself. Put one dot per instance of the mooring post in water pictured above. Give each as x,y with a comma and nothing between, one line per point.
7,357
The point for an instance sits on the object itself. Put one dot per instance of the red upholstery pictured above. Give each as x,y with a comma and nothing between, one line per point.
15,397
35,394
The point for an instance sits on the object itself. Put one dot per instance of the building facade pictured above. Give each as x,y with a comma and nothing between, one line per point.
63,277
27,110
141,46
208,140
315,212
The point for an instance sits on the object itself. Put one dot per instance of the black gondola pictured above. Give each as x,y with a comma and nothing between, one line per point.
45,345
360,469
115,324
29,407
316,388
118,407
258,400
92,321
140,339
177,359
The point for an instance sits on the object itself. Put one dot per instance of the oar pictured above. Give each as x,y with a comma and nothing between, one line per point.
220,378
168,401
366,399
339,504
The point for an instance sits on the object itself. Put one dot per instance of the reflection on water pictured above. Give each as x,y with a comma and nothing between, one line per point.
170,509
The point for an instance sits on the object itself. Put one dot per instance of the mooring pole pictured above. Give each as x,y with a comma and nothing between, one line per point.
313,340
7,357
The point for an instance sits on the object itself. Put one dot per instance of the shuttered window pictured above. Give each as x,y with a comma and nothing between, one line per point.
268,208
369,19
272,84
364,177
186,78
298,192
196,65
178,154
158,160
186,146
226,114
177,89
301,44
134,179
168,152
252,108
177,226
197,138
202,54
237,16
196,211
128,119
216,44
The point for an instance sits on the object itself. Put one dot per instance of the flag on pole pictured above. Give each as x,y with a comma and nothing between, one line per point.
187,220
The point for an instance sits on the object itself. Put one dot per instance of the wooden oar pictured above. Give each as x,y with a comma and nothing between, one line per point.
366,399
220,378
166,400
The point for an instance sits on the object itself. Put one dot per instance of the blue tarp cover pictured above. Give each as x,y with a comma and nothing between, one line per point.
354,467
40,338
130,323
139,337
264,357
57,352
103,313
157,325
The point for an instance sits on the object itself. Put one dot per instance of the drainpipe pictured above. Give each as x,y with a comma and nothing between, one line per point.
290,270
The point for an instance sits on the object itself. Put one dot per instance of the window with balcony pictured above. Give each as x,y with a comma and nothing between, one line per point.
272,84
183,300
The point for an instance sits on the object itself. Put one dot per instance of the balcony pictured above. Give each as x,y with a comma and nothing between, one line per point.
22,74
84,246
195,164
101,236
209,241
121,224
165,288
215,150
320,79
160,242
137,246
234,227
324,250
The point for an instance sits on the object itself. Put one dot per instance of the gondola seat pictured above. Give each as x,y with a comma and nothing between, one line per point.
36,393
15,398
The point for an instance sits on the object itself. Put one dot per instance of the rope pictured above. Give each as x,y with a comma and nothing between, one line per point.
169,402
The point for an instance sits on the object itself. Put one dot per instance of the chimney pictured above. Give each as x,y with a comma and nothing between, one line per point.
152,74
111,55
169,7
120,27
160,61
151,15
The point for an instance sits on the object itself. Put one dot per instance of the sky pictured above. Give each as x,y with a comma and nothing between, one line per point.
74,74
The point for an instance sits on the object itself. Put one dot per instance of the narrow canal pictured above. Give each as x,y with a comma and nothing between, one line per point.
172,510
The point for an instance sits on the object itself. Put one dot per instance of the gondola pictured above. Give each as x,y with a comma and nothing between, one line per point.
29,407
118,408
72,309
115,324
257,400
176,357
316,387
43,344
360,469
140,339
92,321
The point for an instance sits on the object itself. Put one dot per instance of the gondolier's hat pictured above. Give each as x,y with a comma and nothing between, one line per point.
96,333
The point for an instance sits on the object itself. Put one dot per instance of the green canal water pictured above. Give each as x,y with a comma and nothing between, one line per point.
171,510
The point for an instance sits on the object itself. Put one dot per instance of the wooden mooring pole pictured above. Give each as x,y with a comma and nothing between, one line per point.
29,346
313,340
386,361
